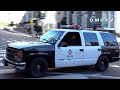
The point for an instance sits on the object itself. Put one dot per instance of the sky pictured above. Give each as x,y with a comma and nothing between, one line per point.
8,16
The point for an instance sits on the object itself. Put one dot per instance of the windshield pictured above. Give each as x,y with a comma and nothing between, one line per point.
51,36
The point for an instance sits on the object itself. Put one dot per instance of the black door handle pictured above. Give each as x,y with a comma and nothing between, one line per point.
81,49
99,49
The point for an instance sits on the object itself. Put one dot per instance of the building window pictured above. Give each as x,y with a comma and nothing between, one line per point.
29,15
65,13
51,26
70,17
105,15
58,12
89,24
112,19
97,15
79,17
79,20
34,14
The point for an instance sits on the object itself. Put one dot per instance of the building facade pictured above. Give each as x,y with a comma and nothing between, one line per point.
104,20
29,18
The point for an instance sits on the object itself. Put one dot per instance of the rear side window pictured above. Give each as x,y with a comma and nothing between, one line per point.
90,39
109,39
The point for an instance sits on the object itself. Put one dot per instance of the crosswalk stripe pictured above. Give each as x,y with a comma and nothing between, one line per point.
1,64
2,55
1,59
2,50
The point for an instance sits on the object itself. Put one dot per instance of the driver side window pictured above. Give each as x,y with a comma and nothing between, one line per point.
72,39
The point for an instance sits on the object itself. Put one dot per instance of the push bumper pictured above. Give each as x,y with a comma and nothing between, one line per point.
17,65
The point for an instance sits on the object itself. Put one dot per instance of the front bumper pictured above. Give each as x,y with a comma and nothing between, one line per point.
17,65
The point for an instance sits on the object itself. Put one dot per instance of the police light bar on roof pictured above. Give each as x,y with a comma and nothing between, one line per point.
70,27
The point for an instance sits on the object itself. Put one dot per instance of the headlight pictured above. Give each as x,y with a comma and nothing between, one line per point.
18,55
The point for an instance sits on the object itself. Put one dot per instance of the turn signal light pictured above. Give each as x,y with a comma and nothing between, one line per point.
19,54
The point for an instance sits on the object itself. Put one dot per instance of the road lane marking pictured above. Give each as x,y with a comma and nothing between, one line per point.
114,65
93,75
64,76
7,71
101,76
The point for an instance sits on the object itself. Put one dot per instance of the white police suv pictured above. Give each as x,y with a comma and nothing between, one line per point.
60,48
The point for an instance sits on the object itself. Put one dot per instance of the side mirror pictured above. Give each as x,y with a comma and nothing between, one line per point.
62,44
38,37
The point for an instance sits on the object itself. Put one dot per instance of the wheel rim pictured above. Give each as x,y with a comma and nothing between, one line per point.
37,69
103,64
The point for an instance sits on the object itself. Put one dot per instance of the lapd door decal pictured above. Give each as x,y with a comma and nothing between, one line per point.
70,54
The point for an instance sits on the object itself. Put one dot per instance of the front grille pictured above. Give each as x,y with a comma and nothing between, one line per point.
10,53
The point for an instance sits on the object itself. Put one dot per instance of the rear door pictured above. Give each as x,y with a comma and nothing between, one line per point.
92,49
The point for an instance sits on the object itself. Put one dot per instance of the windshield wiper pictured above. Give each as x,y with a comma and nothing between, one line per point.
46,40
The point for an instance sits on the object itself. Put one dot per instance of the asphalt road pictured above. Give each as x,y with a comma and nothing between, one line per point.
86,72
7,37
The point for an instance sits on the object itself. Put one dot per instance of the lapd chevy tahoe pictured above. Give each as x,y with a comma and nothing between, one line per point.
54,50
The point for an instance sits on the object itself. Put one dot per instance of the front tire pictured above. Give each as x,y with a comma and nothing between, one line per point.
38,67
102,63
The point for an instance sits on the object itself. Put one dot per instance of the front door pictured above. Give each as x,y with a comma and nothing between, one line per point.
72,54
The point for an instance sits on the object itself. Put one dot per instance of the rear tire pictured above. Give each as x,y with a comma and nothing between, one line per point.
38,67
102,63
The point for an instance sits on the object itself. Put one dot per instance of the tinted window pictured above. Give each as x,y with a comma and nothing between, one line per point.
90,39
72,39
109,39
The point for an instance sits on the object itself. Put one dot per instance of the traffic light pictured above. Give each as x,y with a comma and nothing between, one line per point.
31,21
11,24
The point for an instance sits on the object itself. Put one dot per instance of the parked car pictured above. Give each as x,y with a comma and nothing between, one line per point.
1,27
8,28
